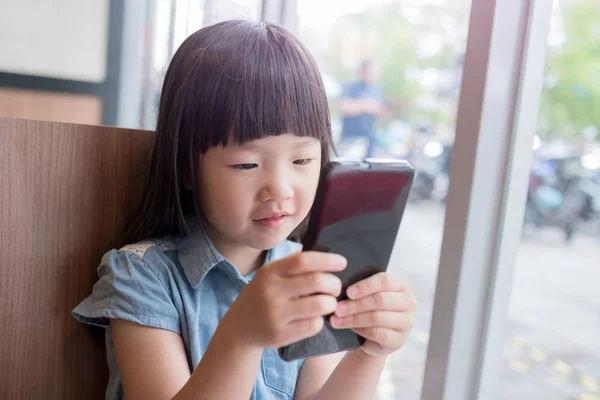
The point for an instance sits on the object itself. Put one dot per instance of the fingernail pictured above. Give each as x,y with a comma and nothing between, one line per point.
339,260
341,309
352,292
336,322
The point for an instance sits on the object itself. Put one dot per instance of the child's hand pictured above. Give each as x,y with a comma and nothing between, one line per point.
280,307
381,309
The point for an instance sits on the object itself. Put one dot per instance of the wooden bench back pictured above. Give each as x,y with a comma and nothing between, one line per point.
66,192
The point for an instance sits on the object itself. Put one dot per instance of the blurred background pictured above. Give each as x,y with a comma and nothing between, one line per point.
393,72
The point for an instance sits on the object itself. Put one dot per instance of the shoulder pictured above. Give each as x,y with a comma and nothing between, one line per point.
134,284
153,254
140,249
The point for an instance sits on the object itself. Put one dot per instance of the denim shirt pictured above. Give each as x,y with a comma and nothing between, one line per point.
182,285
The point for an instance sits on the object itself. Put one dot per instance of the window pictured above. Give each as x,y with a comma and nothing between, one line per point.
169,24
411,54
552,347
222,10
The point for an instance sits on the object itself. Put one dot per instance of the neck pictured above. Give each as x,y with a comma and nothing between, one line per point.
245,259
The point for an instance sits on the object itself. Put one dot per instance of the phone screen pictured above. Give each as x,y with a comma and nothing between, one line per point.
360,213
357,214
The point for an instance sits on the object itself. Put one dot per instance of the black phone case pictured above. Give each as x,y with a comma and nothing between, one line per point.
331,340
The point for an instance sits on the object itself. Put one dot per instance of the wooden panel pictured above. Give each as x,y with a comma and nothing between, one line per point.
50,106
65,193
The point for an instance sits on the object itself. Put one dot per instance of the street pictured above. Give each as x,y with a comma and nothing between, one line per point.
552,347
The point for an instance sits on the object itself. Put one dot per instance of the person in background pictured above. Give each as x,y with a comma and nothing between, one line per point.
362,103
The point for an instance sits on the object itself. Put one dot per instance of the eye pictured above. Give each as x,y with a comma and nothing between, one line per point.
303,161
245,166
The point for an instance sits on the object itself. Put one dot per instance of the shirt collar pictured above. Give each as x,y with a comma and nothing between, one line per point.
198,255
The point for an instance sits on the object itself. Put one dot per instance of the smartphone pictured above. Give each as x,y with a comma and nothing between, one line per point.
357,213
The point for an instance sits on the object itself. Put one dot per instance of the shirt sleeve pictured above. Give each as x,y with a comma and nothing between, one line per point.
128,289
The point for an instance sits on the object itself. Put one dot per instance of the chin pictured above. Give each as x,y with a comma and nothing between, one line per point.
266,241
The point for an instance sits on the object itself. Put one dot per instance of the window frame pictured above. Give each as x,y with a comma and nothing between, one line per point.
504,64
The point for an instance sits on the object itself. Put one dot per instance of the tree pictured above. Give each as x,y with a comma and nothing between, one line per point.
571,97
393,34
383,34
387,33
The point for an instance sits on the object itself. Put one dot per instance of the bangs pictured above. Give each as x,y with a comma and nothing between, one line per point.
250,80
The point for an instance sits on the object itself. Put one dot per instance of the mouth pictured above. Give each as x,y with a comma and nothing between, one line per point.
273,220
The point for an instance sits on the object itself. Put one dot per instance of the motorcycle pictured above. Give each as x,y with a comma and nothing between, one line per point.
590,213
560,196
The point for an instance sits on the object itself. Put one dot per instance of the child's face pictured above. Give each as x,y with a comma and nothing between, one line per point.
256,194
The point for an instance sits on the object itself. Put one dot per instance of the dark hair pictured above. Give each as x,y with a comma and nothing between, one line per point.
237,80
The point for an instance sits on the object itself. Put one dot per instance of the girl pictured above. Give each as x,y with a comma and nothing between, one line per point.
198,306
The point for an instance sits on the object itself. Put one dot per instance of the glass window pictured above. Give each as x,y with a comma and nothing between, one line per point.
222,10
170,24
552,348
392,71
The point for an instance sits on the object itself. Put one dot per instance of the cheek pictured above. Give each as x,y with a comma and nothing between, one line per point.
307,190
225,196
220,208
213,191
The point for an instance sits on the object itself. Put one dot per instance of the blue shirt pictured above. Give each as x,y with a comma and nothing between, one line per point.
182,285
363,124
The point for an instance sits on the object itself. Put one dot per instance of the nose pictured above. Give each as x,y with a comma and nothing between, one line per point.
276,188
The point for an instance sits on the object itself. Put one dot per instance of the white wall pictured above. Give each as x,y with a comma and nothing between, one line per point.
54,38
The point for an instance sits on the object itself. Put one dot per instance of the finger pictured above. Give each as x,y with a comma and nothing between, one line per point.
380,301
313,283
374,319
311,306
310,261
303,329
381,282
387,338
